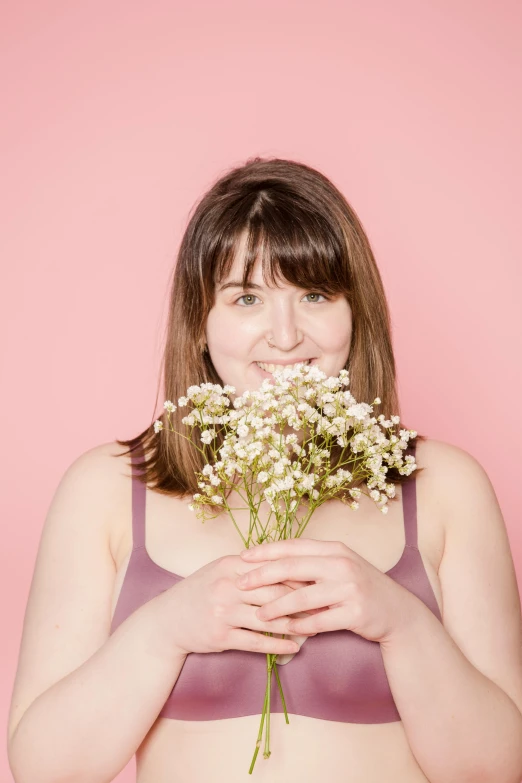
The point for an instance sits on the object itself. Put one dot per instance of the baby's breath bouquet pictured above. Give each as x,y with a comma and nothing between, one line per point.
276,445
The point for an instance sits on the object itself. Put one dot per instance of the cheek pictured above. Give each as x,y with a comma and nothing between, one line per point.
334,335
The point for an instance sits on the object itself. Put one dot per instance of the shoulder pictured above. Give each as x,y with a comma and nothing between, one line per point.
103,468
452,471
102,474
459,487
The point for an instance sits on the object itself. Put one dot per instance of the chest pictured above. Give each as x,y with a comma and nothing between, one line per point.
179,542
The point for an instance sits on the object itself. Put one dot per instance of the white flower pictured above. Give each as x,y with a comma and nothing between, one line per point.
217,499
182,401
169,406
158,425
242,430
308,481
208,436
263,476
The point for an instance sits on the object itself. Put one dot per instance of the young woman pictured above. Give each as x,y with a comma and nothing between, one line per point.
139,638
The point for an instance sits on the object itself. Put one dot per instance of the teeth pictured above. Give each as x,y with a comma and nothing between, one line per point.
272,367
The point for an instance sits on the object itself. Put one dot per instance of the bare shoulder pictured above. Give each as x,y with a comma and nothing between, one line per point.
106,470
452,475
440,455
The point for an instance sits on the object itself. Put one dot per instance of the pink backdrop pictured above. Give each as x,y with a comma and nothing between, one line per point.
118,115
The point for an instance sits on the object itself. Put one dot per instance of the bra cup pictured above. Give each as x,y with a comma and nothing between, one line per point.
335,675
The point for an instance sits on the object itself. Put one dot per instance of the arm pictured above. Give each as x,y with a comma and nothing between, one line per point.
458,686
83,700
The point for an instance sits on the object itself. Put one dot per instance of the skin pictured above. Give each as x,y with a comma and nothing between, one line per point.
300,324
457,684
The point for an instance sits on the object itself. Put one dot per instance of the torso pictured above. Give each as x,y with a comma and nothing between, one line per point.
179,542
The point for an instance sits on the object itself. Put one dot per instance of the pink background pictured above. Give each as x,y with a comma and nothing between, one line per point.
119,115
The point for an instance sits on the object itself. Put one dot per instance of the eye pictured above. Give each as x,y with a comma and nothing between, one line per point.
316,293
246,296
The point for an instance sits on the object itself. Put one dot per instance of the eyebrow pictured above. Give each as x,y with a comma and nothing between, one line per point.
239,284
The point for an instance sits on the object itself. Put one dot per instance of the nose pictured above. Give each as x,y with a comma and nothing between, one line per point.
282,330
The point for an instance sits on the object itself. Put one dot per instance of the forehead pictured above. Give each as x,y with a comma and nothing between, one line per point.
282,258
257,275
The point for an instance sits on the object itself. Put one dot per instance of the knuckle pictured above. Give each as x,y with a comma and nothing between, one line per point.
301,598
221,586
352,590
257,643
343,566
219,610
226,562
357,611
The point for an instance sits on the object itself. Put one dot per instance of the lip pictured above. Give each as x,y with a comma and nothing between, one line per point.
285,361
265,374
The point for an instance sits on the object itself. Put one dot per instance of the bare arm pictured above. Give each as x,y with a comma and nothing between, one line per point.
83,700
88,725
458,686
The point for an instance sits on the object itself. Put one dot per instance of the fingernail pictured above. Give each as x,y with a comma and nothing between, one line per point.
246,553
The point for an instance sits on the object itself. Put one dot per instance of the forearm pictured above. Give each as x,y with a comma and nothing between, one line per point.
87,726
460,725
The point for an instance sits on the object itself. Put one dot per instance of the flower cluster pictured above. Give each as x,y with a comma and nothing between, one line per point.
277,443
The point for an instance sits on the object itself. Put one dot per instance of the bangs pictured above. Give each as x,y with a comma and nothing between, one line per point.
293,241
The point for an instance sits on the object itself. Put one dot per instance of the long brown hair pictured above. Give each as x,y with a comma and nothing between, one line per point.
305,232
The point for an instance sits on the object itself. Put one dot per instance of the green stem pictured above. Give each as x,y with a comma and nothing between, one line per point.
260,733
281,692
266,753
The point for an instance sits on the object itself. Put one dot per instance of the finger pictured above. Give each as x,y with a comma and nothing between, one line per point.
294,584
264,595
241,639
301,568
272,550
245,617
314,597
327,620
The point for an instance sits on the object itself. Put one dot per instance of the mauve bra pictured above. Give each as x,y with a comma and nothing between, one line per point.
336,675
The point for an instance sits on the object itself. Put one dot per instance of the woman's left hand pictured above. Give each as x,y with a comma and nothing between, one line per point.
346,591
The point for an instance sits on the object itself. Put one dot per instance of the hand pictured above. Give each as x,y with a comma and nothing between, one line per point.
346,591
207,612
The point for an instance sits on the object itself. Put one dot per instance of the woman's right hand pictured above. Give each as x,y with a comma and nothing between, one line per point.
206,612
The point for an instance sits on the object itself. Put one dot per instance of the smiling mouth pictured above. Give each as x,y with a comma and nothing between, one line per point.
271,368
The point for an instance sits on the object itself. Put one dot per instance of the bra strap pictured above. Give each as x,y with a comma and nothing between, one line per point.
409,505
138,502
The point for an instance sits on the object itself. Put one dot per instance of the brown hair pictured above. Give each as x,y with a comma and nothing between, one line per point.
305,232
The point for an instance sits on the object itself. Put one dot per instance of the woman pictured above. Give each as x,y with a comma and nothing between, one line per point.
146,642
